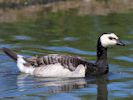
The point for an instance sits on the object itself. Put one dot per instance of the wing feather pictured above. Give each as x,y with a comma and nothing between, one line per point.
69,62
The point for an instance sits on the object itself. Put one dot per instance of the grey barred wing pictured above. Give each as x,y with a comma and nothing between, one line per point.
68,62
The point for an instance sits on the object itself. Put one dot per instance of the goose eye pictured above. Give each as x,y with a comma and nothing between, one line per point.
111,38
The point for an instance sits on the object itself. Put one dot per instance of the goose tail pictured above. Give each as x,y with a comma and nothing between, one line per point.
10,53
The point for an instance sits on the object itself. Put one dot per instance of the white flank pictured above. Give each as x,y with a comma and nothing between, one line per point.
22,68
57,70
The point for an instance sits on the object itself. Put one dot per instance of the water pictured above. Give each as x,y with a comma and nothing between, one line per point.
67,33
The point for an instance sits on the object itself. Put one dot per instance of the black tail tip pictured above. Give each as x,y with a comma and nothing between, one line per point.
10,53
4,49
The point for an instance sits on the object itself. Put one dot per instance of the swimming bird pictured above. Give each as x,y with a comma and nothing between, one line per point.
57,65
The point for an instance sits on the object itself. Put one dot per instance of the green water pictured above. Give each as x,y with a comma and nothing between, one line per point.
67,33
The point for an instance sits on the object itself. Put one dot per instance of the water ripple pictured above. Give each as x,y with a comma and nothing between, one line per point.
70,50
69,39
22,37
125,58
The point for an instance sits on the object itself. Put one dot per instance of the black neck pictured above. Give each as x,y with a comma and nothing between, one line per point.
101,52
101,63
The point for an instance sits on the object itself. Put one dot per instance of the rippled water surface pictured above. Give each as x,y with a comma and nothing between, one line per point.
66,33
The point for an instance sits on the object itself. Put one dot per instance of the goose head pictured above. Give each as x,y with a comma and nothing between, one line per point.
110,39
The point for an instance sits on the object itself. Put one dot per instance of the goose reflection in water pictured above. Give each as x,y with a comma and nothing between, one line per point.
43,86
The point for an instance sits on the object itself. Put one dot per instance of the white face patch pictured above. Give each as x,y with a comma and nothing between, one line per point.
108,39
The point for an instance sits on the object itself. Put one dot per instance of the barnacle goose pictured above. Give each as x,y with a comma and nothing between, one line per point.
56,65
